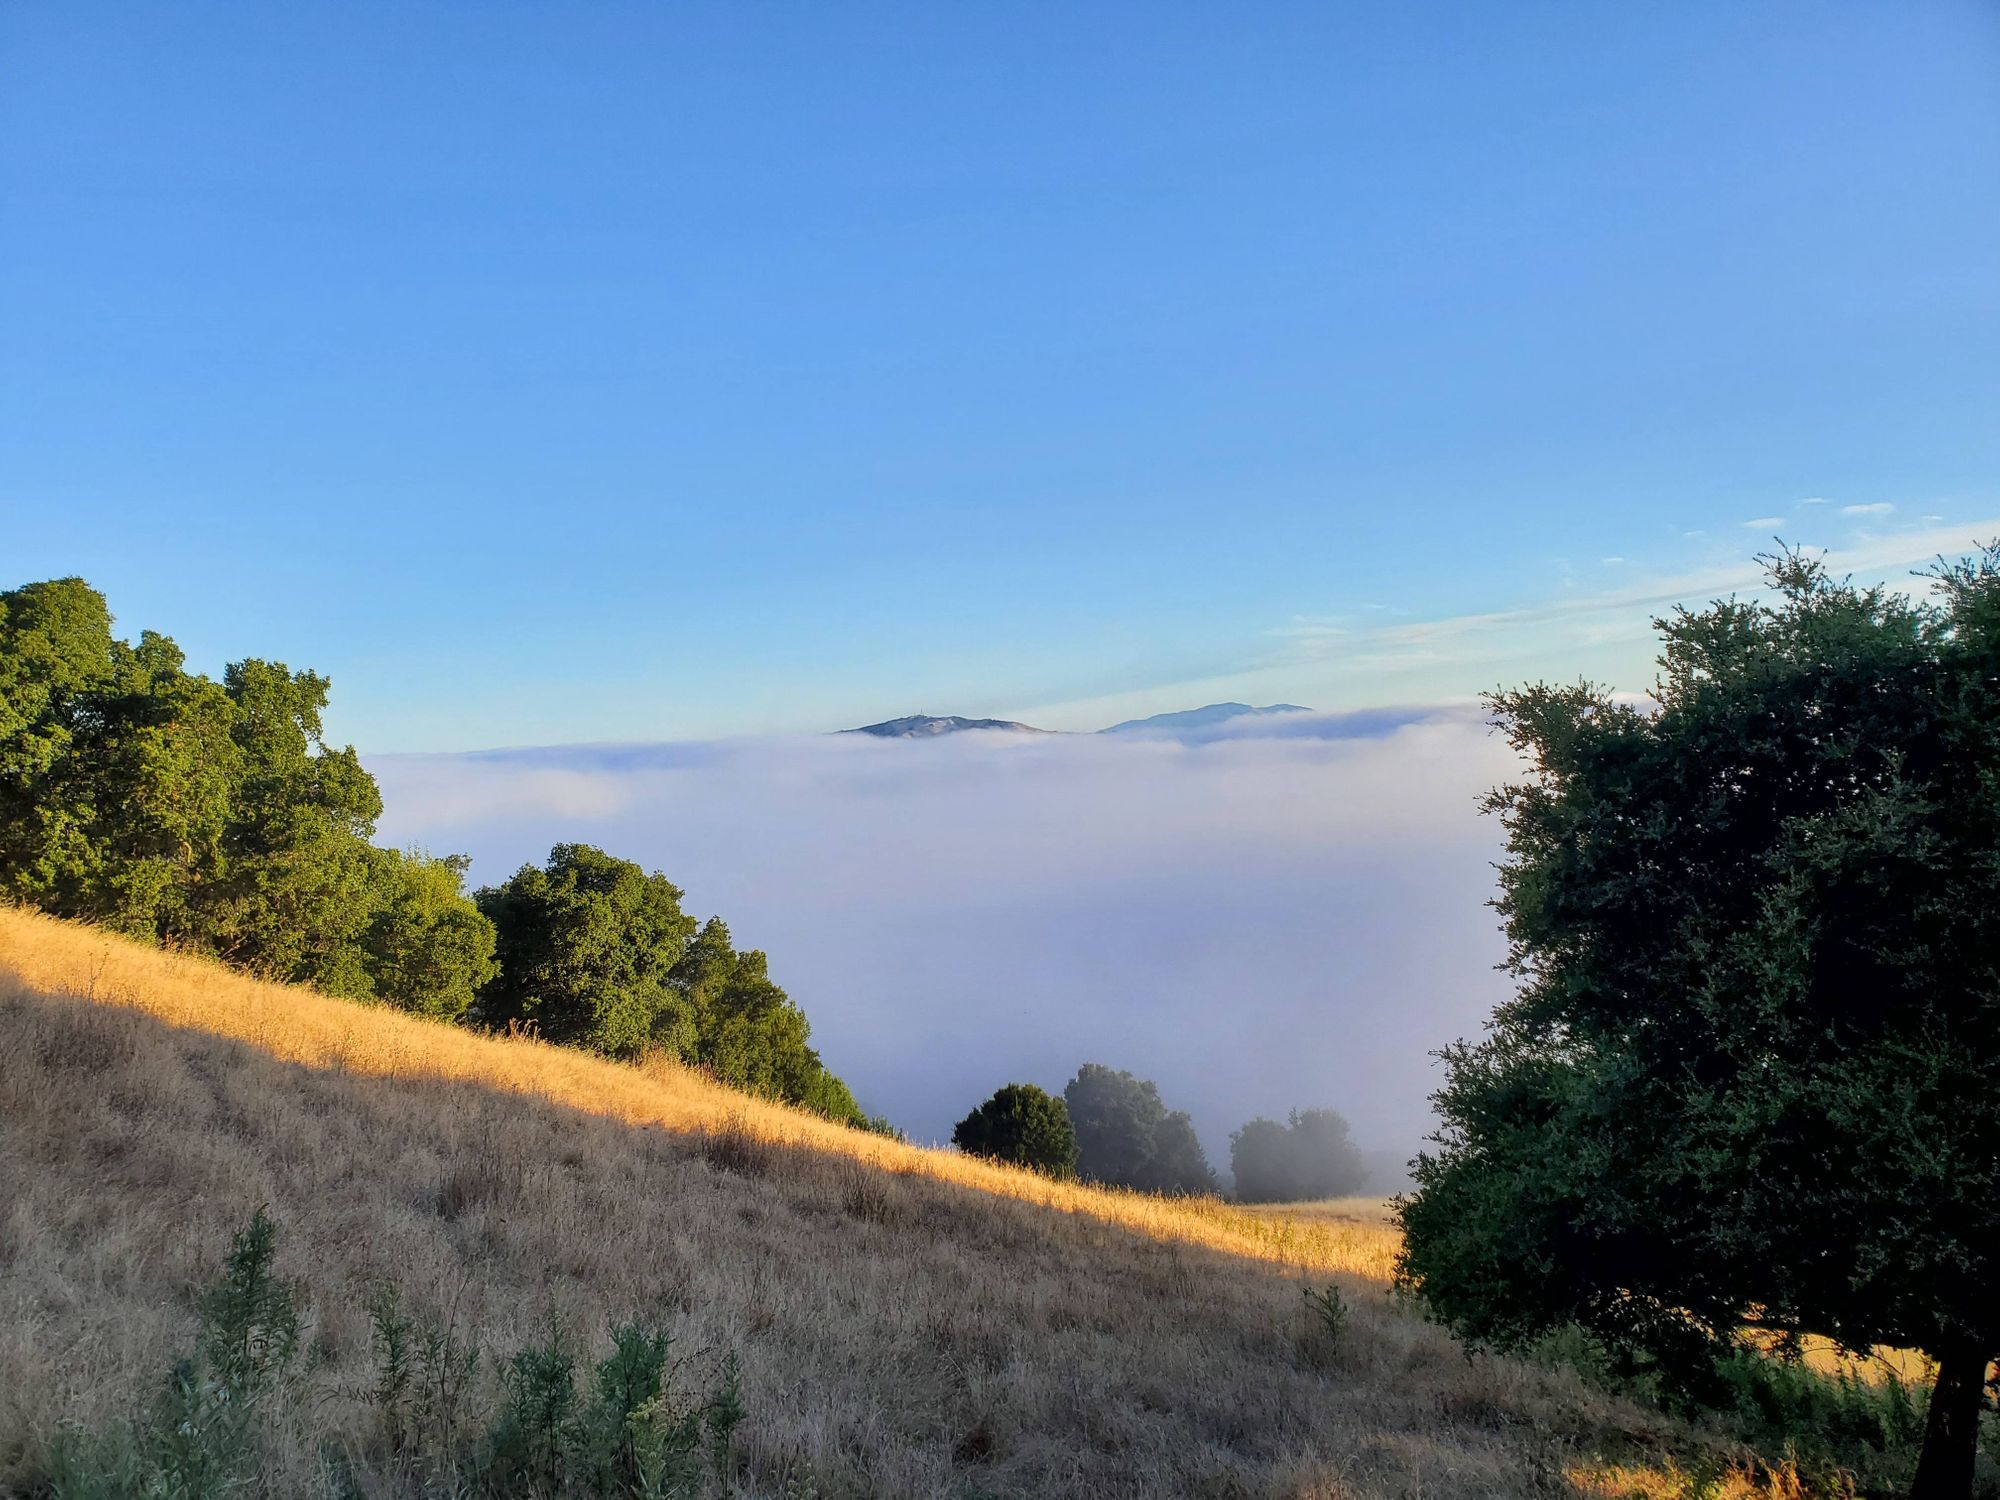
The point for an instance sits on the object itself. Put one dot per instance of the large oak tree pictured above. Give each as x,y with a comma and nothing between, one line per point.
1751,1077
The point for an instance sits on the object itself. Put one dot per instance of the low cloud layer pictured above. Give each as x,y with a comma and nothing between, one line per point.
1287,915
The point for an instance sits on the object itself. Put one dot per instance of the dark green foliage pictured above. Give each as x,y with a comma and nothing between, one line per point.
202,1436
1848,1432
210,815
1308,1157
537,1430
629,1436
1023,1125
1826,1418
1113,1115
633,1439
616,1448
746,1031
1328,1310
1178,1164
587,945
213,816
393,1335
1259,1162
424,1380
1126,1136
249,1323
723,1415
1752,1073
597,953
200,1439
295,891
428,946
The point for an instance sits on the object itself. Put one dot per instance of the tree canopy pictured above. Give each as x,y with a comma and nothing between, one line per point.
1751,1075
1024,1125
587,948
1308,1157
214,816
597,953
748,1032
1127,1137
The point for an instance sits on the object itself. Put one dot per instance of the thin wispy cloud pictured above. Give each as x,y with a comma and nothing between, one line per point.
1877,508
1604,633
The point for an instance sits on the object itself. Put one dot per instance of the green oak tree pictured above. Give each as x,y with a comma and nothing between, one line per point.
748,1032
597,953
1178,1165
293,896
429,950
1126,1137
1260,1163
1024,1125
210,815
587,946
215,816
1751,1075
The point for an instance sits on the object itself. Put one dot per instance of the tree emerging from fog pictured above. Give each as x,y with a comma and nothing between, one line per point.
1127,1137
1310,1156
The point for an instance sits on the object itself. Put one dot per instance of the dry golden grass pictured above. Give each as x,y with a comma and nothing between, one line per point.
909,1322
1670,1482
1370,1214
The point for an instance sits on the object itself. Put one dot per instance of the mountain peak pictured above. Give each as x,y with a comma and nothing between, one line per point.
928,726
1205,717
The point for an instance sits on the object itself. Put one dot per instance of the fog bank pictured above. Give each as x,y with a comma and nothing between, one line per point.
1286,915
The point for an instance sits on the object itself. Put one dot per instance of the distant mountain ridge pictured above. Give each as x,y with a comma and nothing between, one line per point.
1206,717
928,726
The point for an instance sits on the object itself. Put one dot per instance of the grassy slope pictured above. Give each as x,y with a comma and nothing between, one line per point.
909,1322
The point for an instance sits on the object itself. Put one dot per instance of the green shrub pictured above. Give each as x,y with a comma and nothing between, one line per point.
537,1428
424,1377
630,1436
1023,1125
200,1438
1329,1311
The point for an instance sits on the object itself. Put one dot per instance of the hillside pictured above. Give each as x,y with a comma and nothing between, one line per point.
908,1322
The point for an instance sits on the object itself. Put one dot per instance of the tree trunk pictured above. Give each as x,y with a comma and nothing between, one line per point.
1951,1431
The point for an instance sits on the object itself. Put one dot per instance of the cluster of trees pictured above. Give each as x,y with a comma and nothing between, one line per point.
213,817
1310,1156
1112,1128
1126,1137
1751,1076
596,952
1107,1127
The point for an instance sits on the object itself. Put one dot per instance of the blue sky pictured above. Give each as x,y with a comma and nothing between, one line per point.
557,373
